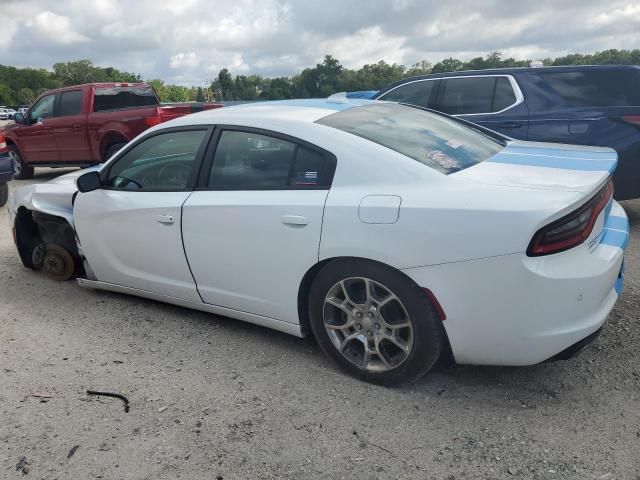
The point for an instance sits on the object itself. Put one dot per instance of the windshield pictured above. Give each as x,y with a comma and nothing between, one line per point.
432,139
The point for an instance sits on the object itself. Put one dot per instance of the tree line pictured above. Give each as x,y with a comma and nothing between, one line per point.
21,86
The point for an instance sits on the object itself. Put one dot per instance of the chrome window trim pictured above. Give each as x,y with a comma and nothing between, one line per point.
512,81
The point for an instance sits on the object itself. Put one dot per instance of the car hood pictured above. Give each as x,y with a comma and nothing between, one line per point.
70,178
54,197
546,166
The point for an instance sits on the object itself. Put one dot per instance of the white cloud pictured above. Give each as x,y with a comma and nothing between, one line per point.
188,41
185,60
55,28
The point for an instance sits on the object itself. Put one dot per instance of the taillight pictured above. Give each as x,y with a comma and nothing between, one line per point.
155,119
3,144
634,119
571,230
151,121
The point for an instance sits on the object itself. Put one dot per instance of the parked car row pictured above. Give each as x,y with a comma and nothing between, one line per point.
85,124
375,215
7,113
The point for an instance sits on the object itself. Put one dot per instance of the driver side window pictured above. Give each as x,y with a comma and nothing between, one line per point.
42,109
163,162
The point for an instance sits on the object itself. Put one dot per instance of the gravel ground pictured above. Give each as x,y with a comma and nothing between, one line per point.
219,399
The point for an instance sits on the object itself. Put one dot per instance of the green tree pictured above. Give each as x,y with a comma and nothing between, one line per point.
226,85
423,67
447,65
26,96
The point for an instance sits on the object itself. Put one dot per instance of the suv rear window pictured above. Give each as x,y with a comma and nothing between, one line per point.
114,98
434,140
595,88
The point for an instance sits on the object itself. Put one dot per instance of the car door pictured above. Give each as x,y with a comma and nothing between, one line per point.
69,127
493,101
252,230
36,140
129,229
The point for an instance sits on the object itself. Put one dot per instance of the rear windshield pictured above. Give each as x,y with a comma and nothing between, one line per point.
589,88
434,140
114,98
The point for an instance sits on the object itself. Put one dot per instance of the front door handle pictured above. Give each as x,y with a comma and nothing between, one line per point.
295,220
165,219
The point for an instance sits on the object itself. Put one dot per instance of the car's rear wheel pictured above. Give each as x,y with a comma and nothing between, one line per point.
374,322
4,194
21,171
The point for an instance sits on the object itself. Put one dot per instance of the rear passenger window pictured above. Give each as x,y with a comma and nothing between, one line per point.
250,161
70,103
415,93
115,98
466,95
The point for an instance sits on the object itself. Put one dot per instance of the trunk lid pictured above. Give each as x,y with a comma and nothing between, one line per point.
546,166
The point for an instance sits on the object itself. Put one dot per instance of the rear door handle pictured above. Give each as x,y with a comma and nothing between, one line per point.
165,219
296,220
510,125
75,126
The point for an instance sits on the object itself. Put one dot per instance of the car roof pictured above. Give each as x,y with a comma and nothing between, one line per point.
509,71
298,111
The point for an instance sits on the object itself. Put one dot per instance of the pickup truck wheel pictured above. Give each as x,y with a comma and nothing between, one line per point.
4,194
112,149
21,171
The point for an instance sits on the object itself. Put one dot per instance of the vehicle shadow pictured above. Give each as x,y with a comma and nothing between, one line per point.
513,388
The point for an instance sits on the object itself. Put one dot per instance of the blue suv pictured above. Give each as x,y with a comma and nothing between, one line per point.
584,105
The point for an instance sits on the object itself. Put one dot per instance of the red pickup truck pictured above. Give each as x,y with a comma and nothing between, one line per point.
85,124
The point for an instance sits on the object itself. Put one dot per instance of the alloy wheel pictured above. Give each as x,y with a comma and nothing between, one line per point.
368,324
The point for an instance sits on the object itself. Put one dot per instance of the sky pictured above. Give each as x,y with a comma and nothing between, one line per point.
188,41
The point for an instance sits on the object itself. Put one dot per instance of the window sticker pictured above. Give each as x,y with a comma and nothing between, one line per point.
306,178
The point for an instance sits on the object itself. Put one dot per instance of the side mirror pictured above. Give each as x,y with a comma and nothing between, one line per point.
19,118
88,182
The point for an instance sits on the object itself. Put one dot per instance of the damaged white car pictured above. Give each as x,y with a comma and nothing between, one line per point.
395,235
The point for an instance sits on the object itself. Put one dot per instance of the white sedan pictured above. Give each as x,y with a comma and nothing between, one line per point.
394,235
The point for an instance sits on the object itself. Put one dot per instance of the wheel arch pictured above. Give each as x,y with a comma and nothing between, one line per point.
108,139
33,228
309,277
26,235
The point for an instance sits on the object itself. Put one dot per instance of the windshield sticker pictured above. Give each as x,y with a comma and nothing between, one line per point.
444,160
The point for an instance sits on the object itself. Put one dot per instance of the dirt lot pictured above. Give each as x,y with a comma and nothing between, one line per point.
218,399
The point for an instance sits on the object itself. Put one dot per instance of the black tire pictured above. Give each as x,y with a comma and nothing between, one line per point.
21,171
4,194
428,337
111,149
